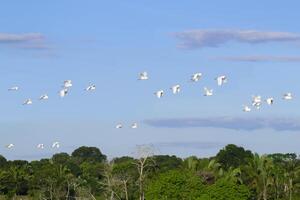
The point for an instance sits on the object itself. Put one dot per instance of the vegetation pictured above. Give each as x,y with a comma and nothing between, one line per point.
233,174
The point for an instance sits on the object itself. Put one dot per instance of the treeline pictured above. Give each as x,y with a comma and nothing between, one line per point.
233,174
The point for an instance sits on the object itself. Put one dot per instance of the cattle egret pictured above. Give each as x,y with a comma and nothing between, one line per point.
63,92
159,93
68,83
208,92
221,80
196,77
246,109
44,97
90,88
256,101
55,145
143,76
134,125
27,102
118,126
270,101
9,146
175,89
15,88
288,96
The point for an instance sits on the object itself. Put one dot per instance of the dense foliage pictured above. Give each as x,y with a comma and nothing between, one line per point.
233,174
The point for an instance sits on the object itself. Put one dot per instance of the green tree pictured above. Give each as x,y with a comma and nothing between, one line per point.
61,158
225,189
124,172
3,161
175,184
163,163
233,156
88,154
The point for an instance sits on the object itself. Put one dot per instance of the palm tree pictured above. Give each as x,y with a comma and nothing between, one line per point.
292,170
261,171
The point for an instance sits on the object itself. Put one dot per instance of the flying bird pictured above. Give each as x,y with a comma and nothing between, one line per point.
55,145
143,76
221,80
63,92
90,88
246,109
208,92
27,102
15,88
134,125
44,97
175,89
288,96
256,101
196,77
159,93
118,126
270,101
40,146
9,146
67,84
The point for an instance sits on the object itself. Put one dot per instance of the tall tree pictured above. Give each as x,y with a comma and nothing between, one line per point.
88,154
233,156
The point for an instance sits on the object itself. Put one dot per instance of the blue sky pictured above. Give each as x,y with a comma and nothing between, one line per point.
256,44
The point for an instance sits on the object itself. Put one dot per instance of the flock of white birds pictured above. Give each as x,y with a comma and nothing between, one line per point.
257,101
62,93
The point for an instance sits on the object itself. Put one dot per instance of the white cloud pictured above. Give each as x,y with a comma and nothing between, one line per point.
214,38
25,37
238,123
260,58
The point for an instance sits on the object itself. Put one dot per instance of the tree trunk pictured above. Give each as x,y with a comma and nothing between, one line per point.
141,181
68,191
125,189
265,193
51,195
112,195
290,188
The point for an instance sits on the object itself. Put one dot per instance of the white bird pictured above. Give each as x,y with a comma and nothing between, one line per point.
208,92
118,126
159,93
221,80
68,83
134,125
246,109
9,146
40,146
256,101
196,77
288,96
143,76
63,92
27,102
55,145
15,88
90,88
270,101
44,97
175,89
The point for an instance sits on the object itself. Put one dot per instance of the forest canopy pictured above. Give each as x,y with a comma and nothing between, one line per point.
233,174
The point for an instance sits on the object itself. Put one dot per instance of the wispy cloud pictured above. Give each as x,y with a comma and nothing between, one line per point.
259,58
238,123
192,145
17,38
194,39
25,41
40,46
